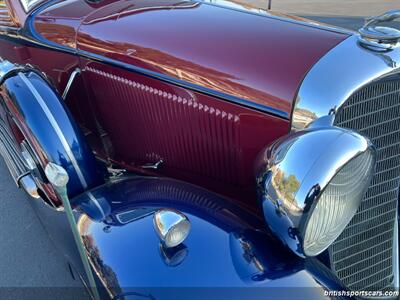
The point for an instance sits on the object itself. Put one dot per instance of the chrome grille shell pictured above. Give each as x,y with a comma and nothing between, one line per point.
362,257
346,80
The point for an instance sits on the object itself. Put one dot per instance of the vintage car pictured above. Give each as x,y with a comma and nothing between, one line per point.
197,150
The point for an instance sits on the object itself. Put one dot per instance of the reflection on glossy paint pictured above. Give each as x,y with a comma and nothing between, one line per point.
238,5
224,237
252,261
136,7
159,61
104,273
247,6
174,256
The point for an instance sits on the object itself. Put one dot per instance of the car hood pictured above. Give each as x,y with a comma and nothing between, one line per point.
259,58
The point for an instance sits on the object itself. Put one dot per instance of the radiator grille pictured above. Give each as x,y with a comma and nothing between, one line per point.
362,256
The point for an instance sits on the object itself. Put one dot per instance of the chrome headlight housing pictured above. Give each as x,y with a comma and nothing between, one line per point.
311,183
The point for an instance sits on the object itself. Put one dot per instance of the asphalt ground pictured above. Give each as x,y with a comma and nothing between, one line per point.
30,263
31,267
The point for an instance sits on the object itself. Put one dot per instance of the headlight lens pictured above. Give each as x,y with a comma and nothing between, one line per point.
337,204
311,183
177,234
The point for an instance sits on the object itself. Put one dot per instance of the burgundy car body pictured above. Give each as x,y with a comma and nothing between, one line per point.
181,89
193,68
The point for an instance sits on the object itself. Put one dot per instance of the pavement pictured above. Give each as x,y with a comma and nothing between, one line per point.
30,262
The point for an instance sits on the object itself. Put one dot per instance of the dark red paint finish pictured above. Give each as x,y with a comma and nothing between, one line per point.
256,58
200,139
132,120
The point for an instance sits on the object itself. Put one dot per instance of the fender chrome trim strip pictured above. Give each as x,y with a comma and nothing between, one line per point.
56,128
97,204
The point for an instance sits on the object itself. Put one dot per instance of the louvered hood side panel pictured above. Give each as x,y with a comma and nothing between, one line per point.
200,139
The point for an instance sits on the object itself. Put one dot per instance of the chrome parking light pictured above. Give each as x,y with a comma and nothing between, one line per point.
171,226
311,183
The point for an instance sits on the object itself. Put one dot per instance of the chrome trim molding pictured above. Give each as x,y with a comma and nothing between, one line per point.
8,69
28,184
97,204
71,79
12,158
56,128
29,4
154,166
396,254
341,72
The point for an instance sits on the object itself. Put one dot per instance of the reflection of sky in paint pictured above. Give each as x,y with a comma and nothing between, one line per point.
136,261
126,262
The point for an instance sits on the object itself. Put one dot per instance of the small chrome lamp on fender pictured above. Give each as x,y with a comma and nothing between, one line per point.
171,226
310,185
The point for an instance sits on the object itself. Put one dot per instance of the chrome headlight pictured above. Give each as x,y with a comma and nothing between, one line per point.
311,183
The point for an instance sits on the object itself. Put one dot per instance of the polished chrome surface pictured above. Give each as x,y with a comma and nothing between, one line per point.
5,66
154,166
350,87
28,158
29,4
134,215
169,221
97,204
28,184
294,173
341,72
378,37
6,20
362,256
8,69
396,254
56,127
71,79
14,161
56,175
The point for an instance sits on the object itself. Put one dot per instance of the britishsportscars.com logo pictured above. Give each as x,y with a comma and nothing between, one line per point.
362,293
